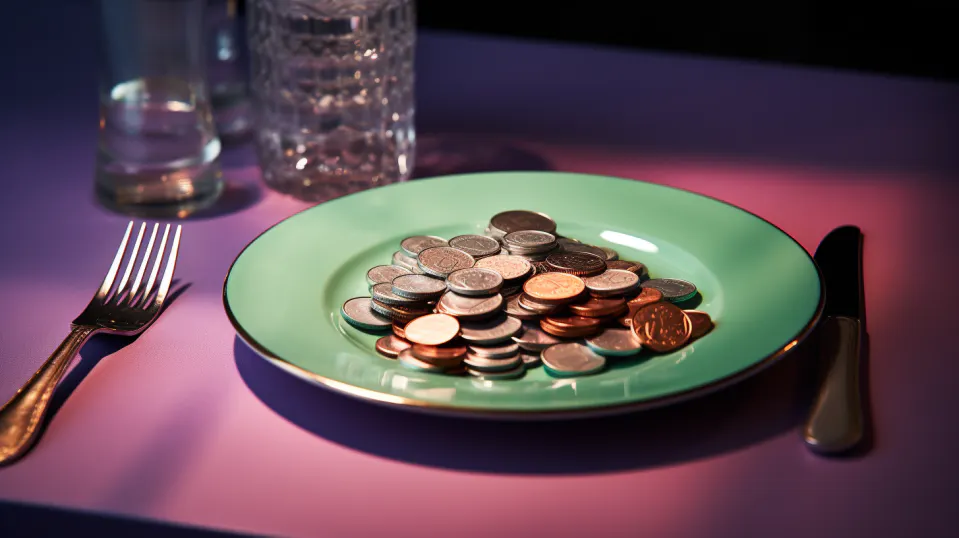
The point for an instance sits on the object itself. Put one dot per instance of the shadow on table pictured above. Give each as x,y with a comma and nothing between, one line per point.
767,405
445,154
17,519
95,350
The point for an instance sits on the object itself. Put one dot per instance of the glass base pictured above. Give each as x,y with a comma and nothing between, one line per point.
177,194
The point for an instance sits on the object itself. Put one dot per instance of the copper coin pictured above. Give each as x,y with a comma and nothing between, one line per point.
701,321
447,352
662,326
432,329
597,307
566,331
573,322
442,356
626,321
632,267
399,329
391,345
612,321
646,297
552,288
577,263
527,302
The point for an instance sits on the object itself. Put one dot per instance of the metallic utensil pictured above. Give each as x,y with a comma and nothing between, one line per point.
835,423
124,310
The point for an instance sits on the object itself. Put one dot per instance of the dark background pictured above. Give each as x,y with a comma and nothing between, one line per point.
894,38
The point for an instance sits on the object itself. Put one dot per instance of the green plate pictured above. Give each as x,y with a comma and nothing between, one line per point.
284,291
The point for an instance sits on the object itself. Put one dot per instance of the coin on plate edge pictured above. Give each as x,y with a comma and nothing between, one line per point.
662,327
701,321
359,313
391,345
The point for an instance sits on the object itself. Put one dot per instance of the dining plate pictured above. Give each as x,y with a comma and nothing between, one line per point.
284,291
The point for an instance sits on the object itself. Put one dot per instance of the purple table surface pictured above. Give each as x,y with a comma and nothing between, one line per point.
185,425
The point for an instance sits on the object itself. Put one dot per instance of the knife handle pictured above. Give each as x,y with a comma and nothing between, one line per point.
836,421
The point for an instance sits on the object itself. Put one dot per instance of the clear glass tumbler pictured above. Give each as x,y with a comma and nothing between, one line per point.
332,87
227,69
158,147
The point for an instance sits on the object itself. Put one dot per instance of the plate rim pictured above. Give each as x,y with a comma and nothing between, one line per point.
411,404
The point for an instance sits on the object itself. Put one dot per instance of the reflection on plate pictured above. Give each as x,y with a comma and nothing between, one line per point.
284,291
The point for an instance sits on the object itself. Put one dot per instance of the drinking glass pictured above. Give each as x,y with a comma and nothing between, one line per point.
332,87
227,68
158,148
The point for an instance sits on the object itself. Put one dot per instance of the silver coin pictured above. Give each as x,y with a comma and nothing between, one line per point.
583,247
532,258
674,289
477,246
515,373
441,261
513,309
487,364
537,308
611,255
529,241
533,338
474,281
571,359
615,343
495,351
404,260
530,360
493,331
511,268
612,282
383,292
469,308
407,359
384,273
420,287
412,246
516,220
359,313
381,309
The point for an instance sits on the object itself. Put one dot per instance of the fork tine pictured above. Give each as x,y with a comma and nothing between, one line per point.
170,267
112,273
131,263
143,264
156,267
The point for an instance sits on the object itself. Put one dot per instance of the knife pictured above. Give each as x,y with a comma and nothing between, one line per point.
835,423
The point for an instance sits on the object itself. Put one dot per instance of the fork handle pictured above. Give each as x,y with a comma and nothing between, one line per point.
22,417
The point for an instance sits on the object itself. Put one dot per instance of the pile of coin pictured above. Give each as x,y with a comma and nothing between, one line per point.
494,305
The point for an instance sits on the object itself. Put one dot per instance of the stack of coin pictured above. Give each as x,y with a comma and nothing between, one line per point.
531,245
435,345
517,221
493,306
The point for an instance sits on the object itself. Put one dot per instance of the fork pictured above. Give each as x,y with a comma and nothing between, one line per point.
122,310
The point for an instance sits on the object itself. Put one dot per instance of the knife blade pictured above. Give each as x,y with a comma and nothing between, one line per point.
835,422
